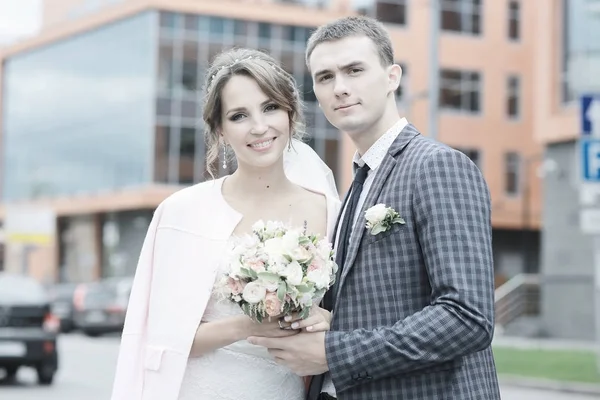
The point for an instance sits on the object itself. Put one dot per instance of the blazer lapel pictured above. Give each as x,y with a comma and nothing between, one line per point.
381,174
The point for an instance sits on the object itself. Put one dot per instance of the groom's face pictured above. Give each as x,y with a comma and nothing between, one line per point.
351,83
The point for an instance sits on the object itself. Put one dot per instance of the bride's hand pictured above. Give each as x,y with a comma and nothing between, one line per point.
318,320
267,328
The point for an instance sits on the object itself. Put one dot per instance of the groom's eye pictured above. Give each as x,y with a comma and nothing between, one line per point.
325,77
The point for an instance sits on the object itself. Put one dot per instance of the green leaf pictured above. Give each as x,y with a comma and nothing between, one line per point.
281,290
268,276
398,220
305,288
378,228
304,313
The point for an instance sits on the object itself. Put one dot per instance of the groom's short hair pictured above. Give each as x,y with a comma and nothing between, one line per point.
354,26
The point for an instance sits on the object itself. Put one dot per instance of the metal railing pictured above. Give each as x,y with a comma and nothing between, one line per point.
518,297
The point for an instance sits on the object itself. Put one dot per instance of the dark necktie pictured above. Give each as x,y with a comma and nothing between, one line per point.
345,228
344,231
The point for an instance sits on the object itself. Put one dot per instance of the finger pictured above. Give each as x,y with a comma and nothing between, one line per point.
292,317
303,323
319,327
263,341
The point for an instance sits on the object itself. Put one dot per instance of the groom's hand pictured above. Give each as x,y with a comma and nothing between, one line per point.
304,353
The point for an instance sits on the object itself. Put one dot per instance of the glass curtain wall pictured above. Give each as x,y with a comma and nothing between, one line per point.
187,44
78,113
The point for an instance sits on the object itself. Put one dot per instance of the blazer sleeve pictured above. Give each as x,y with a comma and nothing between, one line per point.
451,205
128,382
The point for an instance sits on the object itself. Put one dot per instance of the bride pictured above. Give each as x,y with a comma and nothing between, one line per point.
181,340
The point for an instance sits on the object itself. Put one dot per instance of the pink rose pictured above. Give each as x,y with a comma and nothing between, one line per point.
315,265
256,264
235,285
273,305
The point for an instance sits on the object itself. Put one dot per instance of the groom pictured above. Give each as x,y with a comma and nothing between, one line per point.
413,306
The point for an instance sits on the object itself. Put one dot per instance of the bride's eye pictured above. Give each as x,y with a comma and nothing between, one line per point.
272,107
236,117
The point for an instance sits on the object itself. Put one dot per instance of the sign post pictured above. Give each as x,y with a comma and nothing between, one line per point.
590,187
27,227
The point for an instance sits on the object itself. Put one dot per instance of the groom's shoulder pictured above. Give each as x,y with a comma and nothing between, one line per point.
424,150
424,147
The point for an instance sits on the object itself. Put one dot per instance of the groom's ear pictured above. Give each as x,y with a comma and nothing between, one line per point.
394,76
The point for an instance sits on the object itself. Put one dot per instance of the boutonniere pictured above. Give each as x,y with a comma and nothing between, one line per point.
381,218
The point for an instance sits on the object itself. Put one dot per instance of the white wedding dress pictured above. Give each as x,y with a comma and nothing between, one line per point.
240,371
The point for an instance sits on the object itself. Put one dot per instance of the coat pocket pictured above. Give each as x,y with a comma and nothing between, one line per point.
153,357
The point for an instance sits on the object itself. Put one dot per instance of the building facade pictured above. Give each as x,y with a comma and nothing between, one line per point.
101,112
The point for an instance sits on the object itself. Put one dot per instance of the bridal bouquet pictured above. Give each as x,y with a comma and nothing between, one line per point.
276,271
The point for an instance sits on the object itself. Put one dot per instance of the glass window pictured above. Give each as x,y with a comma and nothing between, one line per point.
169,20
162,146
166,73
307,88
460,90
78,112
512,164
513,95
387,11
187,151
461,16
514,20
191,22
216,26
189,75
391,11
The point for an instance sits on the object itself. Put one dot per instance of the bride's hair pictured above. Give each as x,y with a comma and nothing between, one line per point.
273,80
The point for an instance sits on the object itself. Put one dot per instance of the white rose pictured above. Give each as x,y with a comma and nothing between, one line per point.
289,242
293,273
258,225
376,214
254,292
274,247
324,249
320,277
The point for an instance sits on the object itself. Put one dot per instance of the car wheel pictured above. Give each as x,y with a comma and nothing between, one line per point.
11,372
91,333
45,374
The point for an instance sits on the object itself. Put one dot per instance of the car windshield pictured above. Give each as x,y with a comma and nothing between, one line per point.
99,295
16,289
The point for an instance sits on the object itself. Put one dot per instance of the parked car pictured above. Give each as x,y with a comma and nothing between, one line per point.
28,330
61,295
100,307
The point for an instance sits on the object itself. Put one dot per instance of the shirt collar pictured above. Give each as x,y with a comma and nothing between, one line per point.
374,156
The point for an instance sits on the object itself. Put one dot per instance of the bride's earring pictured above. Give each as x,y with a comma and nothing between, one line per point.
224,156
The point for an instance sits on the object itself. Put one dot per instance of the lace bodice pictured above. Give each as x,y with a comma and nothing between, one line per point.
240,370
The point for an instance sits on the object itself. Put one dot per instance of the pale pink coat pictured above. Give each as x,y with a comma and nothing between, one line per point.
177,268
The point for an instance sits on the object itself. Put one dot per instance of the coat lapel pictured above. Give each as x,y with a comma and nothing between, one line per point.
385,168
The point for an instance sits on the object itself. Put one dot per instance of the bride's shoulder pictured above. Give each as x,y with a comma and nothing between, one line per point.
192,195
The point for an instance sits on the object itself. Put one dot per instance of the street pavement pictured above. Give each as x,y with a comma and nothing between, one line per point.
87,366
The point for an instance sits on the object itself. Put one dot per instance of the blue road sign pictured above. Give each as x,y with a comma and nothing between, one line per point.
590,115
590,157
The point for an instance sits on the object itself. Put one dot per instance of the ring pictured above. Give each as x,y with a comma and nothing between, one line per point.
280,326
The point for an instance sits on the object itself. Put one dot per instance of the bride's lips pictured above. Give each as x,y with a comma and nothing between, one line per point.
262,145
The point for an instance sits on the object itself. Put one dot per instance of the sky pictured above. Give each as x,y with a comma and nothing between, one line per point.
19,18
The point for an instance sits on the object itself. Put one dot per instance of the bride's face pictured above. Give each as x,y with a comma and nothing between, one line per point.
256,128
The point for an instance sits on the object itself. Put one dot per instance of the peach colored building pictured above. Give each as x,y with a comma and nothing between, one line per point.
100,111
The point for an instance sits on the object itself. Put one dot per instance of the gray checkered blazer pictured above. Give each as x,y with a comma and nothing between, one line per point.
414,310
